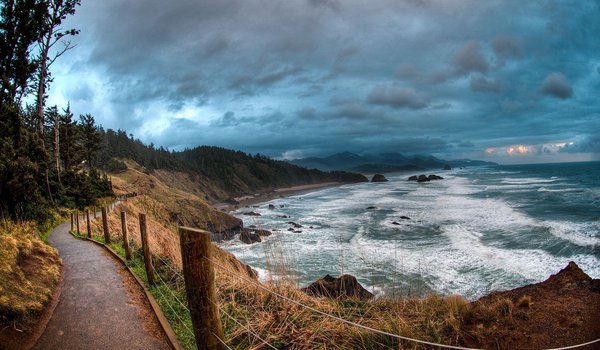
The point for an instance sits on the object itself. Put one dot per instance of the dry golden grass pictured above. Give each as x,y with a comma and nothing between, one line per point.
29,270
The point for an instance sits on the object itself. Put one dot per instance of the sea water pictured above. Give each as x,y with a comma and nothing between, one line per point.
480,229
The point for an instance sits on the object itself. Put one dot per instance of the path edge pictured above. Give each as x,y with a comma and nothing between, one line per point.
166,327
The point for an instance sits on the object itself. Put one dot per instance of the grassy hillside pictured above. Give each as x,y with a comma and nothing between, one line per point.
29,274
215,172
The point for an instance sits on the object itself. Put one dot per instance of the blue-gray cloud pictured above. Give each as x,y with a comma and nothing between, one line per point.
557,85
317,76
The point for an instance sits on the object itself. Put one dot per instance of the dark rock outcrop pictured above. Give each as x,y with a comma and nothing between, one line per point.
378,178
435,177
395,223
371,208
251,213
295,224
263,233
423,178
404,217
413,178
249,236
271,206
345,286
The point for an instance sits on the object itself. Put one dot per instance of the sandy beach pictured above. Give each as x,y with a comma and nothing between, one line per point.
248,200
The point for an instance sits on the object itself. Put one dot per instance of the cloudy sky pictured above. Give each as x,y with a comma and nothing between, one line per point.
510,81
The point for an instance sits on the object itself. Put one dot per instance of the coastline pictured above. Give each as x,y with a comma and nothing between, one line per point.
281,192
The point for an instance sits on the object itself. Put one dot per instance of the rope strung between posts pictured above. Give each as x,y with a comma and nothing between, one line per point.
236,274
241,325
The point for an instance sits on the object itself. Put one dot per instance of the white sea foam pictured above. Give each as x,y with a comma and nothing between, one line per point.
456,241
581,234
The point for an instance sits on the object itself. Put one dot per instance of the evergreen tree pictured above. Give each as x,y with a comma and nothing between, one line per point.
90,138
70,153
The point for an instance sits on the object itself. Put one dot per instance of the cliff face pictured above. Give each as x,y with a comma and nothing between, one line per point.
563,310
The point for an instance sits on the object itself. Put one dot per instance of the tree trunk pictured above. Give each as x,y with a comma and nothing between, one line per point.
57,144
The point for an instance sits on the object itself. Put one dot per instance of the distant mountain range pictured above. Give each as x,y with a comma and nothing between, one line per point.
383,162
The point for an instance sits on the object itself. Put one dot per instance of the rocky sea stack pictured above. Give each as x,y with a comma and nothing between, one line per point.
345,286
379,178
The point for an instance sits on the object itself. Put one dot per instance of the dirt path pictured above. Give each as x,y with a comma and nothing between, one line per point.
100,306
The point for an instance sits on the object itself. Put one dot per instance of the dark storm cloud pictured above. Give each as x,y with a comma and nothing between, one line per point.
506,47
471,59
557,85
320,76
397,97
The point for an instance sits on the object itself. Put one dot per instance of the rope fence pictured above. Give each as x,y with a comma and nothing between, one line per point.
196,283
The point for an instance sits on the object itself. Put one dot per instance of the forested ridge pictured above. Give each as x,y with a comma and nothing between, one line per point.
232,172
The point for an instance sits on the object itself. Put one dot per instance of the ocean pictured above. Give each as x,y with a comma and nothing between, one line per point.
480,229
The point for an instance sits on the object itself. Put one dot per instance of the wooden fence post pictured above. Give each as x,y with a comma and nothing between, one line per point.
199,276
125,236
105,226
146,250
89,227
77,222
72,222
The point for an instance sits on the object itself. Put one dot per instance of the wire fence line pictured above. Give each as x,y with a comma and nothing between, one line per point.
174,284
351,323
247,327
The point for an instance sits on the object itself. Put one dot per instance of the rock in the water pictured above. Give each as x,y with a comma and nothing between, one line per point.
252,226
371,208
342,287
249,237
291,229
263,233
413,178
271,206
298,231
294,224
395,223
251,213
447,167
423,178
435,177
404,217
378,178
283,216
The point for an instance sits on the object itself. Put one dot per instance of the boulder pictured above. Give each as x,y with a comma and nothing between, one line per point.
271,206
290,229
343,287
395,223
263,233
295,224
404,217
249,236
423,178
435,177
378,178
413,178
251,213
371,208
283,216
